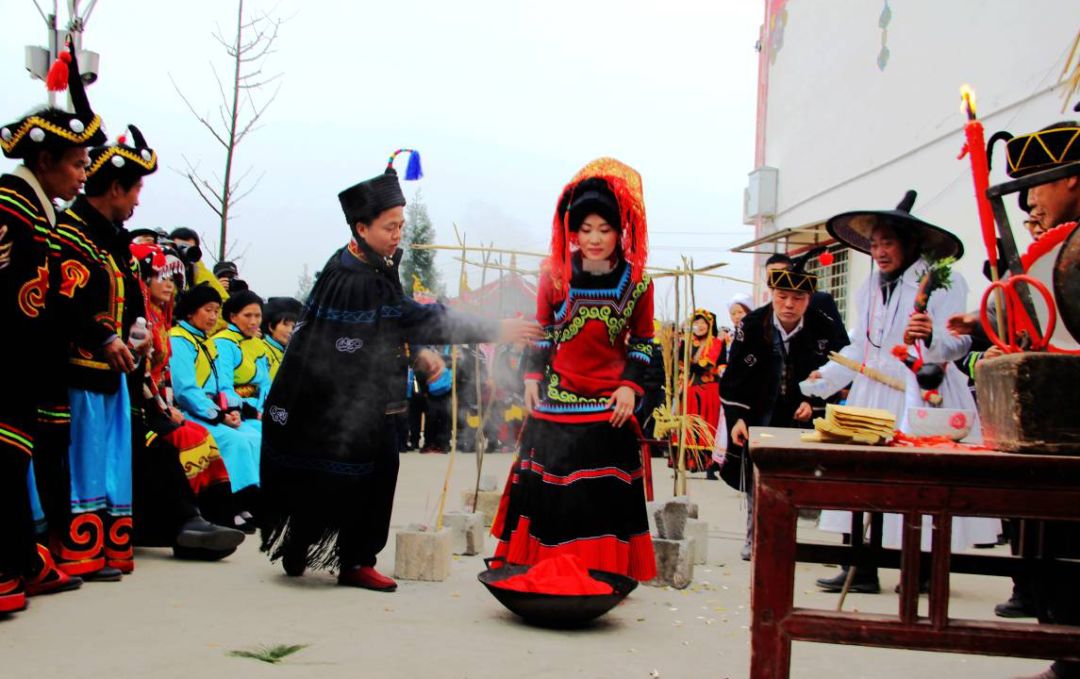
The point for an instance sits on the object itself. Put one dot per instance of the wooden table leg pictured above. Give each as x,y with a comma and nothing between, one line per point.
772,590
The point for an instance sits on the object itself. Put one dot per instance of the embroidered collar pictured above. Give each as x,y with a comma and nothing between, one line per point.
24,173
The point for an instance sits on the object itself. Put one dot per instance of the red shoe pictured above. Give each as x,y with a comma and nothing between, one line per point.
12,594
50,579
366,577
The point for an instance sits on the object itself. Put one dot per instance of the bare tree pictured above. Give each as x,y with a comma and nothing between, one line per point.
238,114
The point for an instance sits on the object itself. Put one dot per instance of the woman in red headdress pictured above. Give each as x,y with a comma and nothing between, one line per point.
178,469
579,484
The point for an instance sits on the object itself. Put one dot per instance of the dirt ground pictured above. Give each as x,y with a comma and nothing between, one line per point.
181,619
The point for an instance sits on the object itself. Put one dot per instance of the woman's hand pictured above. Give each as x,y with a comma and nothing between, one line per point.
532,395
622,405
176,416
739,433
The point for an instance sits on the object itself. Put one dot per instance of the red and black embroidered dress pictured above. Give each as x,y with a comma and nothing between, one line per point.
703,394
177,467
579,484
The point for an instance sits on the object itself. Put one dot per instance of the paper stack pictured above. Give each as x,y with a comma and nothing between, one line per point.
847,424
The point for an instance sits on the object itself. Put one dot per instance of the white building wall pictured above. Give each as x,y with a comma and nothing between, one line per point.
846,134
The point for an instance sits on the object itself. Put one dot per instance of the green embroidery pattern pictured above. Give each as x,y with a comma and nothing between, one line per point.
554,393
615,324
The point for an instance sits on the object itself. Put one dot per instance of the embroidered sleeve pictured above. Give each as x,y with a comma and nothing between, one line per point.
639,347
538,353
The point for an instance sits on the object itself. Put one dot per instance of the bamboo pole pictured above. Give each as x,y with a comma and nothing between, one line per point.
481,248
680,473
453,402
481,438
500,267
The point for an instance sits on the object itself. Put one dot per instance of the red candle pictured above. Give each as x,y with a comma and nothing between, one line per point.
980,171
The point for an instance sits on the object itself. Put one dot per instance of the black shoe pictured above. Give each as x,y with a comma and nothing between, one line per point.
1015,607
198,533
294,559
860,584
244,524
107,574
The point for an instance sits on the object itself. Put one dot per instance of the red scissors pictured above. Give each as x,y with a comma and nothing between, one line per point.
1023,333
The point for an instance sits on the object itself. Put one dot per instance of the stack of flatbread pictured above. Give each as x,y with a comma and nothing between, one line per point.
847,424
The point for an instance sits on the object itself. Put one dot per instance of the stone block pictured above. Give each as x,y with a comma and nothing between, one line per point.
671,518
489,482
423,554
467,530
674,563
1026,405
487,504
698,533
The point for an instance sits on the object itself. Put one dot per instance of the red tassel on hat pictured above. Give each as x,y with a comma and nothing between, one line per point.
826,258
57,79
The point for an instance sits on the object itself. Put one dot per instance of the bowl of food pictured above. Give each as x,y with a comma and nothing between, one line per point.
952,423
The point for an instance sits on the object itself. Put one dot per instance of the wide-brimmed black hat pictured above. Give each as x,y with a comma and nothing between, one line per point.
854,229
364,202
121,161
54,129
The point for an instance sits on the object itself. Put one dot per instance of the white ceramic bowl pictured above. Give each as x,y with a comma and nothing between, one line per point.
954,423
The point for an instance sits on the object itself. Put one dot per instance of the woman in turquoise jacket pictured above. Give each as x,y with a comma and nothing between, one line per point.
202,393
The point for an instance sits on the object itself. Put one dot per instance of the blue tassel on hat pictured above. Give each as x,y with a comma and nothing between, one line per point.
413,171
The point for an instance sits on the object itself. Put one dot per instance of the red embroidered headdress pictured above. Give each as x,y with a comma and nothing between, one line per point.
624,182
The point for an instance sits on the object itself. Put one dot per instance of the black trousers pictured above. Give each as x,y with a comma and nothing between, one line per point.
365,529
437,426
162,499
1056,594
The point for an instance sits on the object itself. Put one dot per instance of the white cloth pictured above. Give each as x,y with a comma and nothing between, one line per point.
878,327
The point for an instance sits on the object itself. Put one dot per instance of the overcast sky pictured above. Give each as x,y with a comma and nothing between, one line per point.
505,100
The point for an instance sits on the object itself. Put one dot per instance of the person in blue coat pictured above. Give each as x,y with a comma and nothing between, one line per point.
199,393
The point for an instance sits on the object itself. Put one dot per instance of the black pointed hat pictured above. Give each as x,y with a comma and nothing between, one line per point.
53,128
795,277
122,160
364,201
854,229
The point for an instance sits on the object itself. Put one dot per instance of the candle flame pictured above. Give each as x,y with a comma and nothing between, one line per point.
967,98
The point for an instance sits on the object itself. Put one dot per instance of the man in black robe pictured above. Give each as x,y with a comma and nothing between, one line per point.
329,450
776,346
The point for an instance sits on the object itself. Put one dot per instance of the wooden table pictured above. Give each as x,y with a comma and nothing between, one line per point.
791,474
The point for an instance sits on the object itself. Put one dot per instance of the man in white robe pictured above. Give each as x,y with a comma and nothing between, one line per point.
902,248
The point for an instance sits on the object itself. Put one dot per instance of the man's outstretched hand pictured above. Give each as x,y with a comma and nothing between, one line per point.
517,330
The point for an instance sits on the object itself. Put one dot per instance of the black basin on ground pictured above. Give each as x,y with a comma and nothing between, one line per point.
556,610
